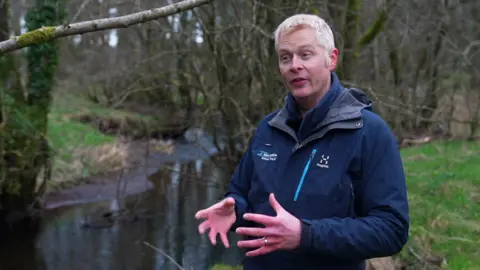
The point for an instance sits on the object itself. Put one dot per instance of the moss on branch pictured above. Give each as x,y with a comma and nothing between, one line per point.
37,36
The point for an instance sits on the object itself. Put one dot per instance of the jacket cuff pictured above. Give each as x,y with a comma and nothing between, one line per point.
305,235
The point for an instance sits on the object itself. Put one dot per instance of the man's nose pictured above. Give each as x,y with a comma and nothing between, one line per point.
296,64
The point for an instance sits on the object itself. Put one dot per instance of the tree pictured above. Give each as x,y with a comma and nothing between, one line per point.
24,109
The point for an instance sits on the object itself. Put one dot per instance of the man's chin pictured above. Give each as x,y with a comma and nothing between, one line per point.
301,94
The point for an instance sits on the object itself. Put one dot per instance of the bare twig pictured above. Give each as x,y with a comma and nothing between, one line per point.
415,254
470,47
43,35
85,2
164,254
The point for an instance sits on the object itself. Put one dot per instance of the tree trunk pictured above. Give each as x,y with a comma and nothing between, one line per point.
431,100
350,29
183,67
24,118
353,41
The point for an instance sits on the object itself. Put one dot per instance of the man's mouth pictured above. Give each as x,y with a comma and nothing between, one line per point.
298,80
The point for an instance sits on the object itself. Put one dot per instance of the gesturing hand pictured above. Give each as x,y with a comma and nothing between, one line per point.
281,232
219,218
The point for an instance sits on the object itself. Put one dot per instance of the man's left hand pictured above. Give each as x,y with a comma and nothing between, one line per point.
281,231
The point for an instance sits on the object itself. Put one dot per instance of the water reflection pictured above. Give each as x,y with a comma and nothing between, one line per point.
166,222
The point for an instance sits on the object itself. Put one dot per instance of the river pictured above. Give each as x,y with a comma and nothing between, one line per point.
165,225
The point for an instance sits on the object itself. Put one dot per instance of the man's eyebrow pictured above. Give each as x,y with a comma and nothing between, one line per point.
302,47
307,46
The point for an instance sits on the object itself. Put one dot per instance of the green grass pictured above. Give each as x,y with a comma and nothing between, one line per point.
67,135
64,133
225,267
443,180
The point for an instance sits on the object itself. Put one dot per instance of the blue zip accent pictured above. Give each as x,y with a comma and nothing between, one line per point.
299,187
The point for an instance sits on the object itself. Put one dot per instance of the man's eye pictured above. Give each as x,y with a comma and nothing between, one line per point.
306,55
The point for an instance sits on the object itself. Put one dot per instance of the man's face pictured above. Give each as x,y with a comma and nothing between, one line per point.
303,64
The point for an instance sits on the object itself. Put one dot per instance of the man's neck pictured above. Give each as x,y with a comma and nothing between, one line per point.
308,103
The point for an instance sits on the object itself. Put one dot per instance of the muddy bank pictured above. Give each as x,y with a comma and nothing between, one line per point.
134,165
107,187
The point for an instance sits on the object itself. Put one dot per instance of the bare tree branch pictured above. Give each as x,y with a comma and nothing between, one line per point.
85,2
45,34
164,254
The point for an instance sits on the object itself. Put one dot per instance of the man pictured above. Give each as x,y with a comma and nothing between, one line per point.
321,185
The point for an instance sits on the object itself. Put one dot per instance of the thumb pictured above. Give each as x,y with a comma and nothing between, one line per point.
228,202
275,204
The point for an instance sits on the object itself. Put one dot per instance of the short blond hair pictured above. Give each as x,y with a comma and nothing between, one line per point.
323,31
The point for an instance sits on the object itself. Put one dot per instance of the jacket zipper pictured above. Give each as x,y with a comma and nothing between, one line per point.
305,169
309,139
312,138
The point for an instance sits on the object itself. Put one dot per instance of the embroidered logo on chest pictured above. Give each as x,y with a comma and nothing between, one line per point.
323,163
267,156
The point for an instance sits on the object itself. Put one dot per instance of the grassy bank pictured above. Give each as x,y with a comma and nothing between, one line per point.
444,191
81,150
443,181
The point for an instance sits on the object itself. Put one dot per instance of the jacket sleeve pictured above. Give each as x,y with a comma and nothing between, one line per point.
382,226
239,187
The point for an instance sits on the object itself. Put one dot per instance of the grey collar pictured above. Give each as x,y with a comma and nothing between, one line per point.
344,113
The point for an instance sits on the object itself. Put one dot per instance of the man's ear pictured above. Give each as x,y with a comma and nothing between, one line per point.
333,59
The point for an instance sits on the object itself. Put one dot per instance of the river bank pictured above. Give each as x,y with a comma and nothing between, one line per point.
90,142
97,150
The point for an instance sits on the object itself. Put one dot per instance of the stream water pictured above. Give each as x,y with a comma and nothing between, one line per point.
165,227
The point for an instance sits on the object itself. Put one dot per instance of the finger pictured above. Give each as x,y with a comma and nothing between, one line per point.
203,226
261,251
224,238
254,231
254,243
274,203
263,219
202,214
213,236
259,242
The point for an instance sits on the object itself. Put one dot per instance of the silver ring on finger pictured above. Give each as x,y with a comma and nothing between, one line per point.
265,241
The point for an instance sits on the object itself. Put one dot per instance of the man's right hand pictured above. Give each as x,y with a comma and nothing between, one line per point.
219,218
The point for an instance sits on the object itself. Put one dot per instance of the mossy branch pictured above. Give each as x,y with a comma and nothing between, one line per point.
47,33
373,30
41,35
